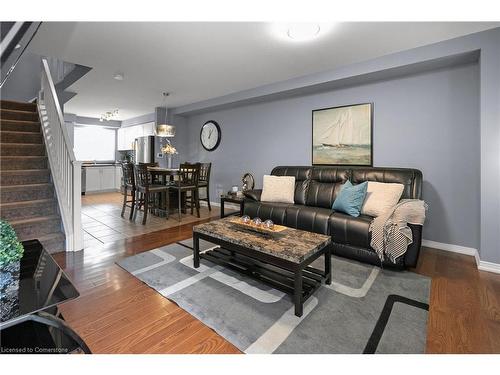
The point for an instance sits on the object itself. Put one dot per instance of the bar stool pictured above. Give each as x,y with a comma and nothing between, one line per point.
146,192
188,182
128,184
204,182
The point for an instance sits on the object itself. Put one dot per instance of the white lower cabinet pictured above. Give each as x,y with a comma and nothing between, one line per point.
118,177
108,178
92,179
100,178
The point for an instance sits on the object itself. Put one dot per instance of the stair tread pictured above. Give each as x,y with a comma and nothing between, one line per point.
27,122
12,187
13,102
35,220
20,132
22,156
13,171
26,203
16,110
19,144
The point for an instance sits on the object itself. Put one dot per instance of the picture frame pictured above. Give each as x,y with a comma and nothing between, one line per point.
343,135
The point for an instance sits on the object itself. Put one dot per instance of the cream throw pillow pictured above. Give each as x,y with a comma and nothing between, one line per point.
381,197
278,189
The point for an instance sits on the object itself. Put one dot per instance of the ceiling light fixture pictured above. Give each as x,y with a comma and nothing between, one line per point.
119,76
110,115
300,31
165,130
303,31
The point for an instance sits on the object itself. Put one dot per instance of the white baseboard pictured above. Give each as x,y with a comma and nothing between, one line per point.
489,266
481,264
449,247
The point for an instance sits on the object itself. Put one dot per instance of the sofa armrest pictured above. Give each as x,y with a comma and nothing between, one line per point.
253,194
413,251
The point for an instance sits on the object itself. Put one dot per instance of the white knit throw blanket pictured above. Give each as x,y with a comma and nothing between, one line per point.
391,235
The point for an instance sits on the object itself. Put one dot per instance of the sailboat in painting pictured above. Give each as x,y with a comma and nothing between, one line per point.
343,133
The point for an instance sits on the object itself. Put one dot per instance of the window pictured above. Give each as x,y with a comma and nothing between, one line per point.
94,143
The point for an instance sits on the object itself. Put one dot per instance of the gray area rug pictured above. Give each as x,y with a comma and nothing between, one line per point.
365,310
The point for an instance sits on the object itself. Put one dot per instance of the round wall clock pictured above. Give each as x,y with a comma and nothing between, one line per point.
210,135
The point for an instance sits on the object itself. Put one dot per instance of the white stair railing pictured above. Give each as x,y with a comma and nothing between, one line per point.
65,169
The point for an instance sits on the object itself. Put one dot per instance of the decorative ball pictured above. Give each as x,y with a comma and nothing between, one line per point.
245,219
257,221
269,224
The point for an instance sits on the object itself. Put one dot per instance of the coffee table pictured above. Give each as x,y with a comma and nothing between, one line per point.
280,259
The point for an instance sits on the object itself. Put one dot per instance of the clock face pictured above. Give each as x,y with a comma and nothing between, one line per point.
210,135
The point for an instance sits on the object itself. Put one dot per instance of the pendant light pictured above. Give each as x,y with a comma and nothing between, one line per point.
164,129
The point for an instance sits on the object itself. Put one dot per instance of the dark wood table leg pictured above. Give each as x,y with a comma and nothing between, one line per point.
297,296
328,265
242,208
196,250
222,208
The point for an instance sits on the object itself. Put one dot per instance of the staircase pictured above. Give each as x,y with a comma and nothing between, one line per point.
27,196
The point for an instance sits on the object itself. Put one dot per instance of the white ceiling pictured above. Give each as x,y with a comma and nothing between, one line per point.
199,61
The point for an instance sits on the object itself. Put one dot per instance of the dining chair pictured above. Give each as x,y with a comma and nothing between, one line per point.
128,184
187,182
146,192
155,179
204,182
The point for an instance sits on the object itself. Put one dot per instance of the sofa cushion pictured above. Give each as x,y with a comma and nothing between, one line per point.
274,211
350,230
350,198
312,219
324,186
410,178
381,197
302,176
278,189
322,194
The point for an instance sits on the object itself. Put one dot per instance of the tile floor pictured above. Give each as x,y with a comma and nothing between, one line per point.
102,222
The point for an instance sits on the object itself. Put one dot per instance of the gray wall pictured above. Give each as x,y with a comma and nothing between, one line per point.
23,83
428,121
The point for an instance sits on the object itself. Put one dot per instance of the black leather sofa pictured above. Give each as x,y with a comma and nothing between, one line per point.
315,190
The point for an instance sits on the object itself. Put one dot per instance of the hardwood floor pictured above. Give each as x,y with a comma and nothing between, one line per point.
117,313
464,313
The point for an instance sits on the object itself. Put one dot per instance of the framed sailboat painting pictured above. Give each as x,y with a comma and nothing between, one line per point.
343,135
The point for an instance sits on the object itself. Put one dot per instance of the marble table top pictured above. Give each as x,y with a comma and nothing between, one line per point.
291,244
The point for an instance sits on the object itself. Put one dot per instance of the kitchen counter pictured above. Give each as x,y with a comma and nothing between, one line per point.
98,165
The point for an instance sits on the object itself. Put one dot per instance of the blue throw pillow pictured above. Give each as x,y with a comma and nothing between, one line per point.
350,198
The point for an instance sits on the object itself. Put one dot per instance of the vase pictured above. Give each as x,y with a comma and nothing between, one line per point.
9,288
169,161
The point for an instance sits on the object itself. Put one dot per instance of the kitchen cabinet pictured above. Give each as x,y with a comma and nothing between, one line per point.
108,178
92,179
120,141
100,178
148,129
118,177
127,136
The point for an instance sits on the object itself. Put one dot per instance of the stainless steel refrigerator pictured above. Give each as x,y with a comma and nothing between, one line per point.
145,151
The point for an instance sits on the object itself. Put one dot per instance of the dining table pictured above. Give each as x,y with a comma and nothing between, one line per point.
164,173
165,176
